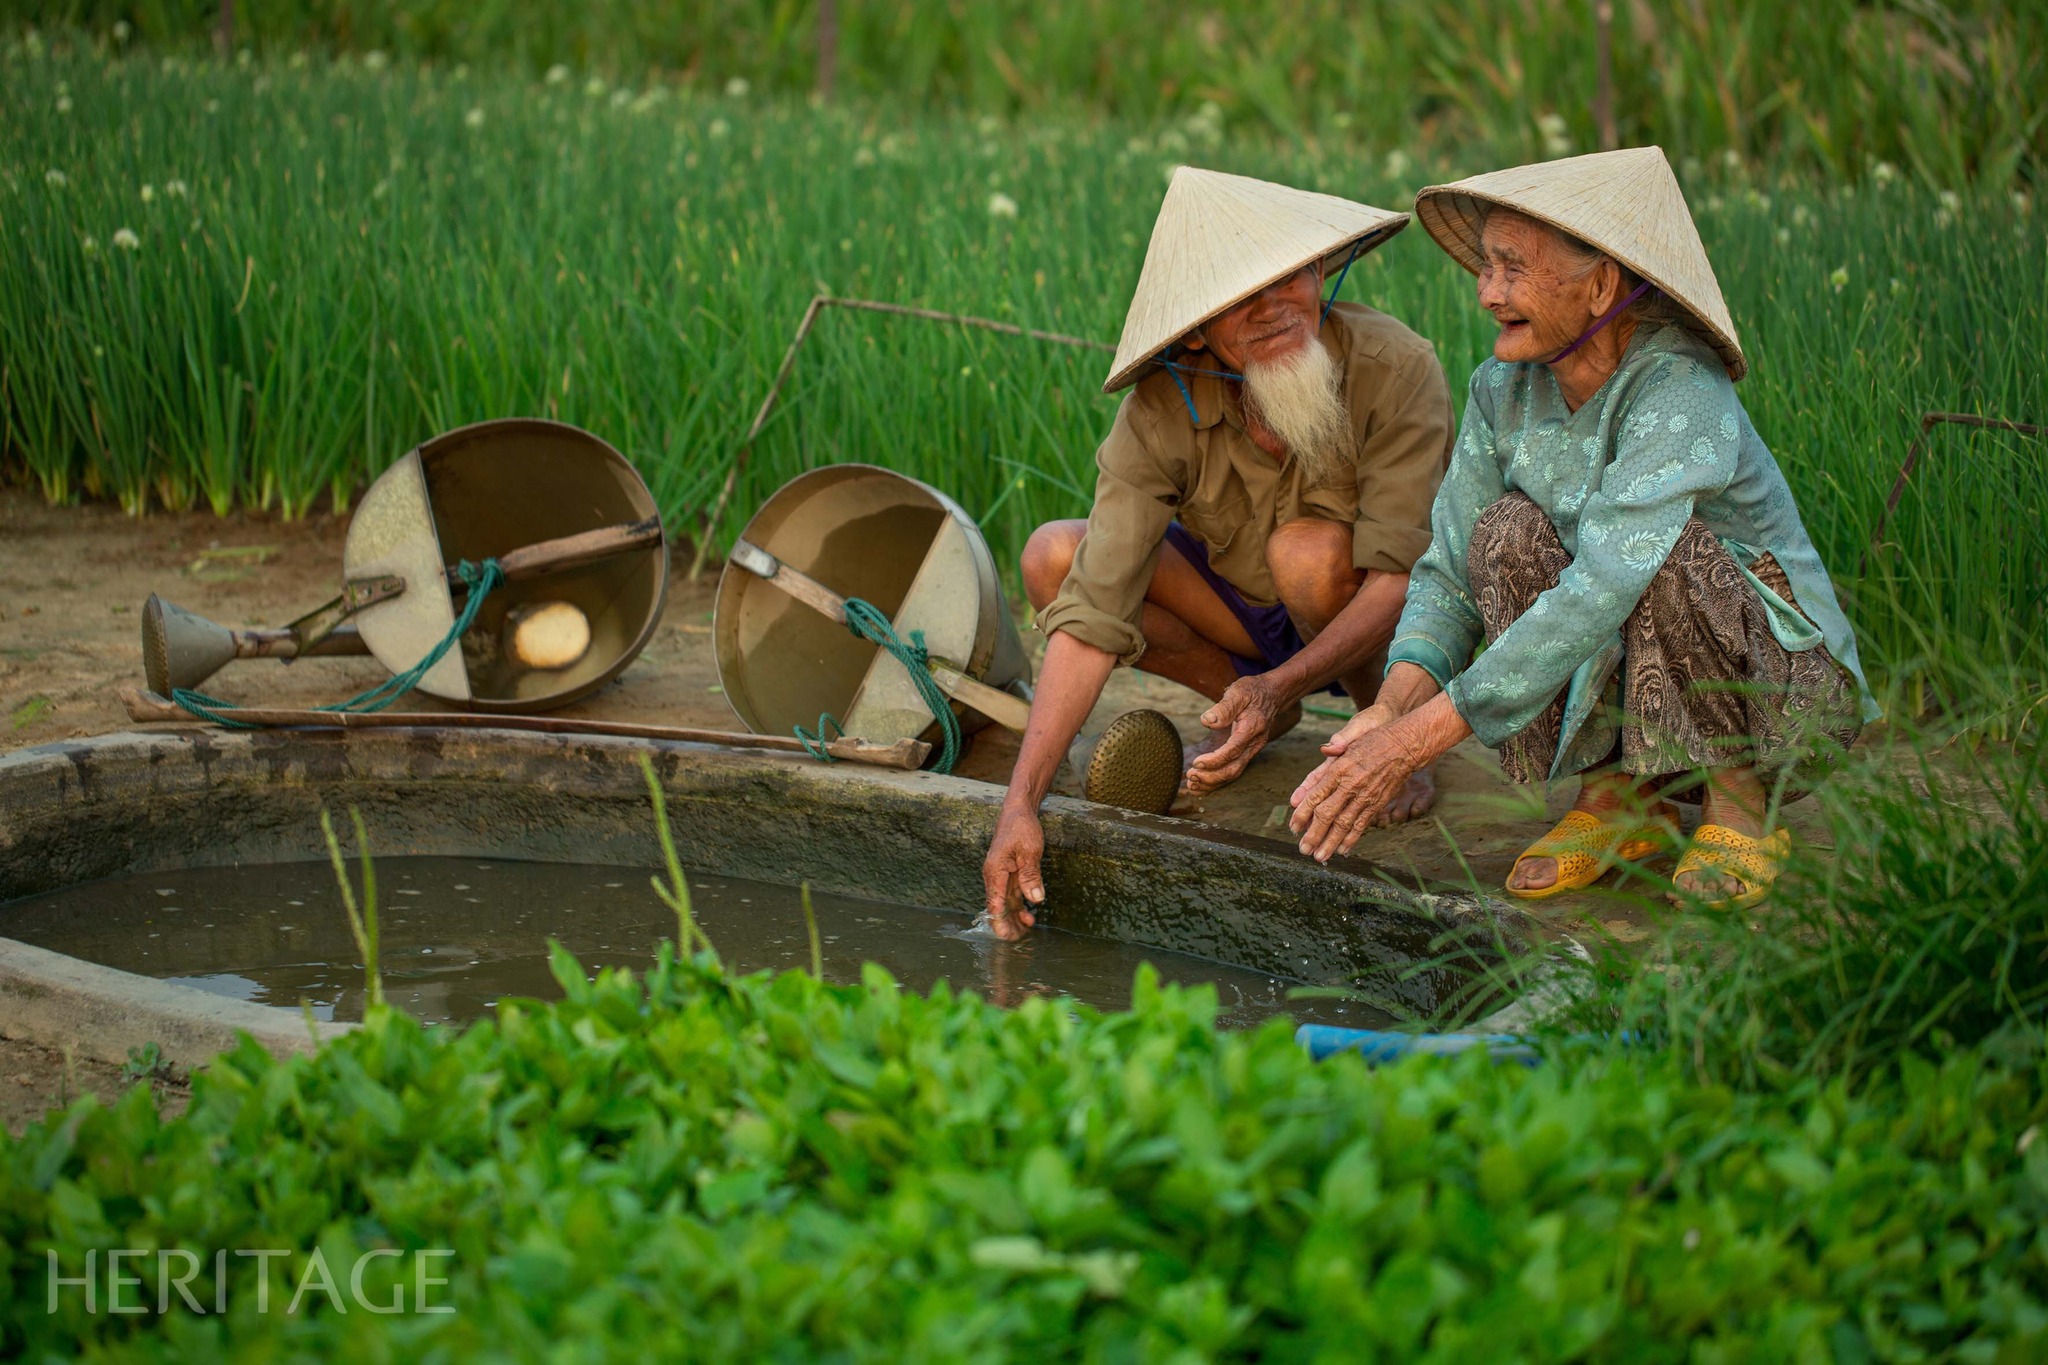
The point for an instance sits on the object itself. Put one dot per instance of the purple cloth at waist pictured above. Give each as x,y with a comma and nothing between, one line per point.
1271,628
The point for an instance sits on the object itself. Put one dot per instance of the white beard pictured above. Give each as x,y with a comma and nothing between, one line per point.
1301,400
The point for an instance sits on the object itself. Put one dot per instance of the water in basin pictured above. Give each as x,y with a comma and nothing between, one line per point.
459,933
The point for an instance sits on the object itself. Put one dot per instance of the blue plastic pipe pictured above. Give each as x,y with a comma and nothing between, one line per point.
1379,1046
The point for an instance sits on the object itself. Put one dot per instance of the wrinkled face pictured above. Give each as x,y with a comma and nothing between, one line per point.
1526,282
1271,325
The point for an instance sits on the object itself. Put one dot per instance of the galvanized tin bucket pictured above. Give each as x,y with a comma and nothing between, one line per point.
870,533
488,489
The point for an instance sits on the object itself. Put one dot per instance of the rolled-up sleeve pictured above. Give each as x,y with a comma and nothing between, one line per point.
1440,626
1102,601
1403,448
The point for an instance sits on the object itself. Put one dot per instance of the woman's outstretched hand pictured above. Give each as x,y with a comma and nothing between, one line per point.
1368,764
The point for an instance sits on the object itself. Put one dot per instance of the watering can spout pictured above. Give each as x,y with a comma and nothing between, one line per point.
180,648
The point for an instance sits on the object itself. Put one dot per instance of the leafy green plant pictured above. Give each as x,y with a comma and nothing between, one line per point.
683,1164
146,1063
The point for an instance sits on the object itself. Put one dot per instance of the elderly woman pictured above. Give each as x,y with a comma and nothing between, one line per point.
1615,533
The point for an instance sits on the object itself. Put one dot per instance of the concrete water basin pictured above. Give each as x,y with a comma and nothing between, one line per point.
897,851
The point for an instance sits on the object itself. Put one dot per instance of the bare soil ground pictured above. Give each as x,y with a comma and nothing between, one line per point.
34,1080
72,581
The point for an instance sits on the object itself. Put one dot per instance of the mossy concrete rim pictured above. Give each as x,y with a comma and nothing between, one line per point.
139,802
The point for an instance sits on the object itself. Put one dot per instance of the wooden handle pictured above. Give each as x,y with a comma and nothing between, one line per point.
585,547
343,641
1012,713
906,754
801,586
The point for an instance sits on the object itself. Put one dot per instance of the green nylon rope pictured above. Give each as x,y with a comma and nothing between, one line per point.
868,622
480,579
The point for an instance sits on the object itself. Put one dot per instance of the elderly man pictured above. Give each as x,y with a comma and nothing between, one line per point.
1260,498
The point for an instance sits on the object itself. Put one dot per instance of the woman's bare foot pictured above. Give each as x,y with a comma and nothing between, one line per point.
1600,795
1735,799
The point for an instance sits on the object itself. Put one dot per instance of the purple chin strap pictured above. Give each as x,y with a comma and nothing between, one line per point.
1605,318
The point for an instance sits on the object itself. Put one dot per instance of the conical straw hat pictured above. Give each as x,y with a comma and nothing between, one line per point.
1626,203
1222,238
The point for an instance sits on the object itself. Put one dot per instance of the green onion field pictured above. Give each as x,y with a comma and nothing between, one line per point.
256,284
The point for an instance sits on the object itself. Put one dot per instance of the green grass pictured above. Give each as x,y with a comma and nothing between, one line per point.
1953,91
337,260
1908,925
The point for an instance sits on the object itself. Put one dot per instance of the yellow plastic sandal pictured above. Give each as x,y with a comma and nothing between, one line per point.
1718,851
1585,847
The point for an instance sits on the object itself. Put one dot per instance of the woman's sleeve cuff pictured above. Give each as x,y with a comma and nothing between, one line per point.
1426,654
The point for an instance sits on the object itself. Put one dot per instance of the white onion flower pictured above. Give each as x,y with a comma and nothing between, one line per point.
175,188
55,178
737,88
149,194
126,240
1001,205
558,74
474,118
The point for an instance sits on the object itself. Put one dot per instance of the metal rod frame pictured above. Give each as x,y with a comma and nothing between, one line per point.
1928,422
817,305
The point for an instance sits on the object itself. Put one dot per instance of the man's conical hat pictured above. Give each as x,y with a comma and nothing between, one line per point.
1625,203
1220,239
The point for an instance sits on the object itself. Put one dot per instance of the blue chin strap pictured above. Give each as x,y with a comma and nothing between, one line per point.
1342,271
1178,370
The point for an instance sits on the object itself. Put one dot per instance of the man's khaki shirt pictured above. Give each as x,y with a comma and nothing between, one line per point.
1157,466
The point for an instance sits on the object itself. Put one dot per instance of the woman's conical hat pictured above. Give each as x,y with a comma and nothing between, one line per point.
1222,238
1625,203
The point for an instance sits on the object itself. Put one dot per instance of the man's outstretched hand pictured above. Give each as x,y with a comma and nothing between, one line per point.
1241,722
1010,878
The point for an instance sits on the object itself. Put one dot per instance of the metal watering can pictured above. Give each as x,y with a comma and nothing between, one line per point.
786,657
572,524
862,532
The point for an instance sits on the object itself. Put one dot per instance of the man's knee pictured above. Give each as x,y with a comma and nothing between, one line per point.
1310,560
1048,554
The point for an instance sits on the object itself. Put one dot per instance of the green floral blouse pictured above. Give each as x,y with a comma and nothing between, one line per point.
1665,439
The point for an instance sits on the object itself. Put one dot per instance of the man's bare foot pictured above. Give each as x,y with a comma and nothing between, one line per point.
1602,795
1416,799
1215,740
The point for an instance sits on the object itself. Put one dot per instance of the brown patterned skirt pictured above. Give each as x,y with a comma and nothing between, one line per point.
1702,682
